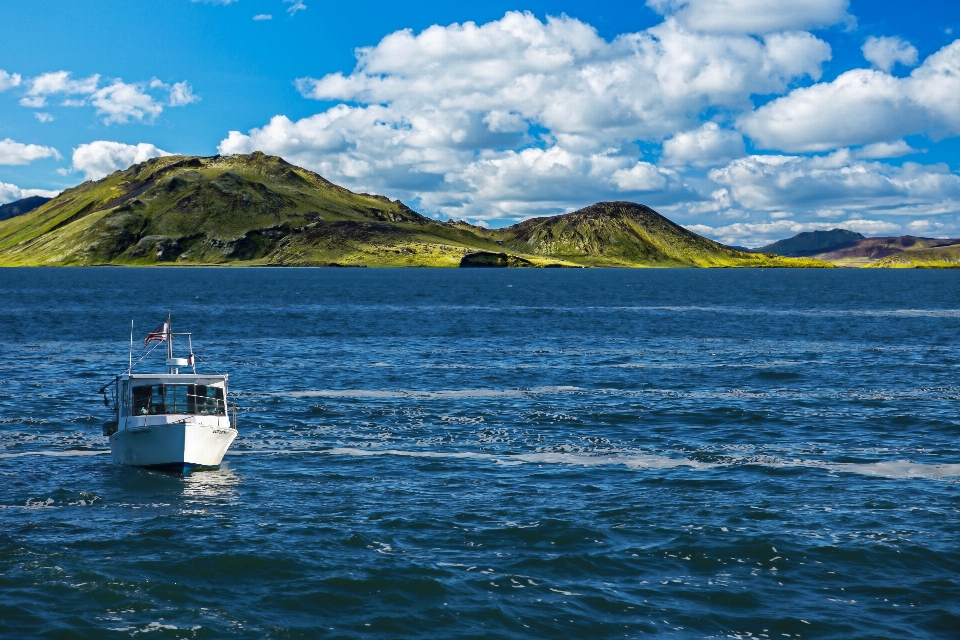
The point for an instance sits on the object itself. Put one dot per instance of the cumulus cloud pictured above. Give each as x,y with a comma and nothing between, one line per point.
561,75
864,106
885,150
439,114
263,16
121,102
180,93
757,234
9,80
925,226
57,83
18,153
101,158
753,16
709,145
839,180
12,193
642,176
885,52
117,102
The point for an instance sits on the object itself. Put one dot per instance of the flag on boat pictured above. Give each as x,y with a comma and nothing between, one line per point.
157,335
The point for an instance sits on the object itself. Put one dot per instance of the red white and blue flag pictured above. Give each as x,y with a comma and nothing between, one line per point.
157,335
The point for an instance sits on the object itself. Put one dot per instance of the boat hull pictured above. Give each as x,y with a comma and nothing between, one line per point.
180,447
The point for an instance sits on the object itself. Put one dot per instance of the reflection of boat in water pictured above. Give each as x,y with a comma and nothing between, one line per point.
171,421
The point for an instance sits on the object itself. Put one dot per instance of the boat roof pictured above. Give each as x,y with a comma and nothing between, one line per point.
175,377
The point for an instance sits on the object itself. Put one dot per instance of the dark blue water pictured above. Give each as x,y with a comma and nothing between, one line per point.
494,454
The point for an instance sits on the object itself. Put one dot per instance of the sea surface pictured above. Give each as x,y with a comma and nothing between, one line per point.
493,454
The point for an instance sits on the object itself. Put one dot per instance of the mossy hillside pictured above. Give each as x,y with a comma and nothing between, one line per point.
930,258
628,234
197,210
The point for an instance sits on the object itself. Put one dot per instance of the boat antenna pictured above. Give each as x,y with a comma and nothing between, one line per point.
130,366
169,341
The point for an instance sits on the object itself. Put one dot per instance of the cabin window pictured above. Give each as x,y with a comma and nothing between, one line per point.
209,400
159,399
141,401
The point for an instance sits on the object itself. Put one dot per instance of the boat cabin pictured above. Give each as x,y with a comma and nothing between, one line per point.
152,398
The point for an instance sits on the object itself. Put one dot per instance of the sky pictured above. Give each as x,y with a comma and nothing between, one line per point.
746,121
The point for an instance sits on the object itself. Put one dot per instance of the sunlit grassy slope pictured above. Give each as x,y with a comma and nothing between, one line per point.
933,258
260,210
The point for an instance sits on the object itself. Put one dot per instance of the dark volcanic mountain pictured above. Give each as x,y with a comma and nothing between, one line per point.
20,207
811,243
260,210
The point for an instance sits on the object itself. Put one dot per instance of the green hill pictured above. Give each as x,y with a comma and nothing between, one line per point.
810,243
260,210
628,234
930,258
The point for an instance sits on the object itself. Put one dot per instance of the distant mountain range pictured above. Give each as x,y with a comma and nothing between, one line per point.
20,207
260,210
847,248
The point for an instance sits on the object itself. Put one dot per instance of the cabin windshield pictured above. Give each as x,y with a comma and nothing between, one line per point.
158,399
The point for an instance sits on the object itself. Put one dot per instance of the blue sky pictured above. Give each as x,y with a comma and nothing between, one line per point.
745,120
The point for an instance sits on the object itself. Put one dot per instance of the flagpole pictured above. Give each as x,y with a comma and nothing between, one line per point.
169,340
130,366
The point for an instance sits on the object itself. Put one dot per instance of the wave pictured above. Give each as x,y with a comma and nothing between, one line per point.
893,469
71,453
428,395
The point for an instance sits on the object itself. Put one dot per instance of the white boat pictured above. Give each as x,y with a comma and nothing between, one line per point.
169,421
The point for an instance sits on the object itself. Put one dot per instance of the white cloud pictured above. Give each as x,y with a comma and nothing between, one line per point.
221,2
57,83
43,117
295,5
707,146
8,80
642,176
18,153
884,52
804,184
879,150
925,226
101,158
118,102
864,106
263,16
181,94
439,114
563,76
755,234
753,16
758,234
12,193
121,102
871,227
